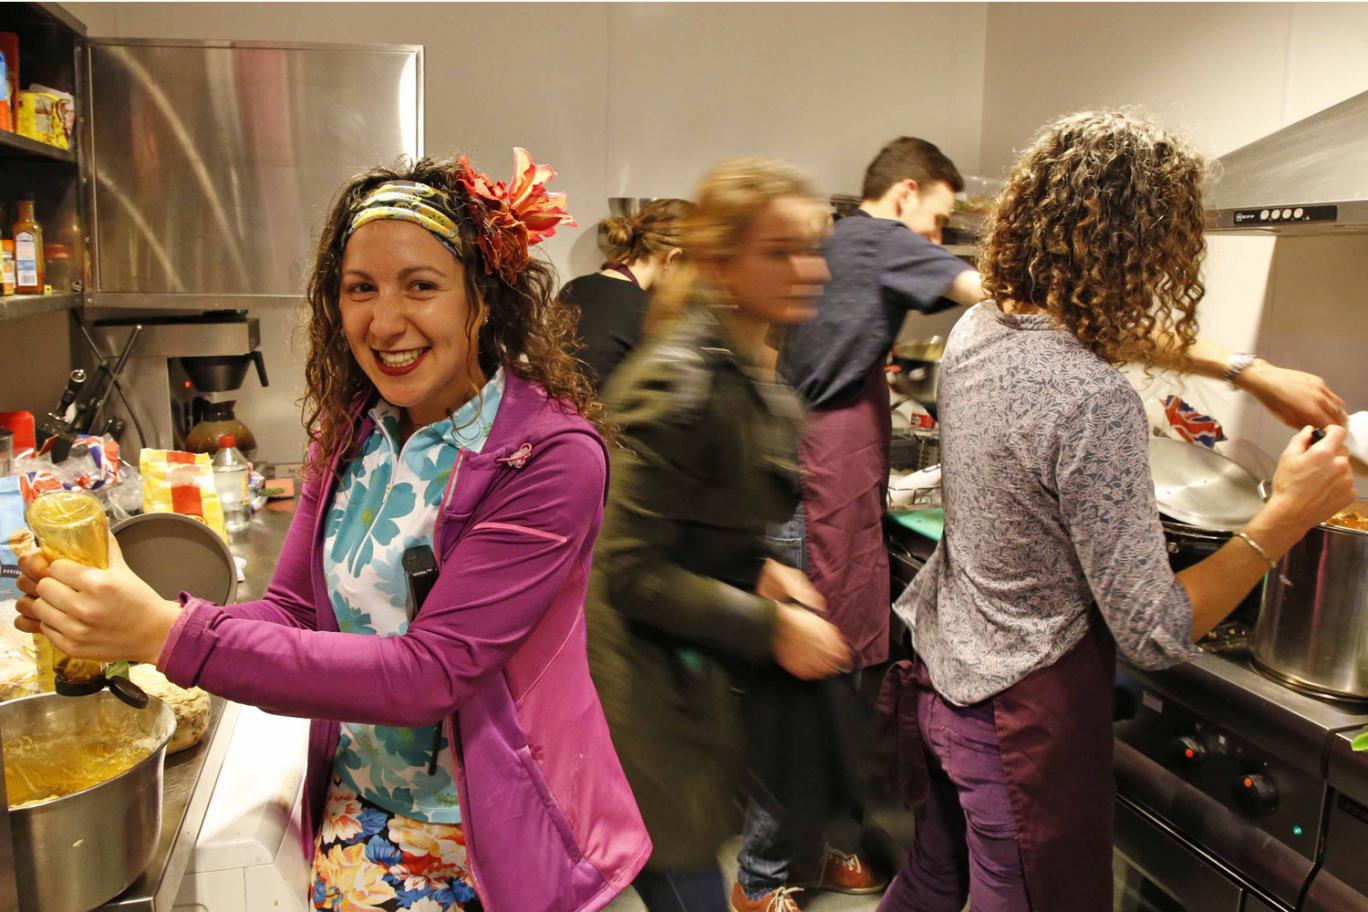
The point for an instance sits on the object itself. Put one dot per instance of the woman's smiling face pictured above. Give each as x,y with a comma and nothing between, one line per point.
408,319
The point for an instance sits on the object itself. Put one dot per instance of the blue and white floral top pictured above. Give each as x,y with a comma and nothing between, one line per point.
387,501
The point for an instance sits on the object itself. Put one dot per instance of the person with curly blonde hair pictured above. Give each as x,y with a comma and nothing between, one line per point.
427,609
1053,555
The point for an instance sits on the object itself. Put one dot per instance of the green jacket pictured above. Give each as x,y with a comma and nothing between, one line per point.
708,459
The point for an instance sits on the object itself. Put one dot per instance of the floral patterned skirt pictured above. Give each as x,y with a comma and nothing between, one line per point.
368,859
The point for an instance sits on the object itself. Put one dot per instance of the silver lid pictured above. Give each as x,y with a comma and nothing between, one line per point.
1200,487
174,554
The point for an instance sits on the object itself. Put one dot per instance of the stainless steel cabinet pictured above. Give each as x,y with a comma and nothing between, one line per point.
215,162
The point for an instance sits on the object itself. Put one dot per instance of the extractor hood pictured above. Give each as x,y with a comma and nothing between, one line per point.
1308,178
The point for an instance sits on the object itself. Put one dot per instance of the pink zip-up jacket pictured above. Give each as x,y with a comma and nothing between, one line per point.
498,652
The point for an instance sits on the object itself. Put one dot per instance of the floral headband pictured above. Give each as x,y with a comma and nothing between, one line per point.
409,201
509,218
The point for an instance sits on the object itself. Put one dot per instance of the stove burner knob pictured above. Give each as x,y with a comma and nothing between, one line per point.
1188,752
1256,794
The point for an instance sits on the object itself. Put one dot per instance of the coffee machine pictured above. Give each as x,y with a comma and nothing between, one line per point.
183,376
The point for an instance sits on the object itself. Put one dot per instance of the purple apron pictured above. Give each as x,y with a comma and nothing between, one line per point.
844,457
1055,733
1054,730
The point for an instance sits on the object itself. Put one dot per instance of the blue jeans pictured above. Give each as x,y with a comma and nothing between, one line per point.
769,844
682,891
767,849
787,541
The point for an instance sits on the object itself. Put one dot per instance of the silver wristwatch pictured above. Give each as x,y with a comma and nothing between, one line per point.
1236,366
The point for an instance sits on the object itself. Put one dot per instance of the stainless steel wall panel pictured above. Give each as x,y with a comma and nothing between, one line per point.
215,162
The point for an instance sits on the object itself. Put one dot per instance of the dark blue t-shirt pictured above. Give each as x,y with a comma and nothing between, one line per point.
880,269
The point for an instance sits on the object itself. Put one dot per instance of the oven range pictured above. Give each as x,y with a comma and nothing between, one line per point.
1236,793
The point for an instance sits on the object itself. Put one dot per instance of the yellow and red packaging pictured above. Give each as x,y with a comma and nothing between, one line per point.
41,118
177,482
7,273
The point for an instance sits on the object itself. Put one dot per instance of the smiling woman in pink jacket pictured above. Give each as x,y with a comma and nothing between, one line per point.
459,758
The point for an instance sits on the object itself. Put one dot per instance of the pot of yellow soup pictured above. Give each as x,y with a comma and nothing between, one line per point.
83,779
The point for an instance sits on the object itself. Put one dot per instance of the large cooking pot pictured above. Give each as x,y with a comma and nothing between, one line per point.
1188,545
74,853
1313,629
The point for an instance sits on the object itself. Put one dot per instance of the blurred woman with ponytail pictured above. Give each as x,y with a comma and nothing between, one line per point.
612,302
684,603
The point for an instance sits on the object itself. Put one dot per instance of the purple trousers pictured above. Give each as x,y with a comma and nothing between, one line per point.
966,837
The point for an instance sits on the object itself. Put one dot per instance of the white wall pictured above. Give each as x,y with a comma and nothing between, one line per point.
1224,74
624,99
821,85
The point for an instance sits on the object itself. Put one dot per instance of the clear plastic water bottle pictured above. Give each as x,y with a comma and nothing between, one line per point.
230,479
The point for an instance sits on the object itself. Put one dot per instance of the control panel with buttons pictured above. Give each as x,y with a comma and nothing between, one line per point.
1281,215
1270,793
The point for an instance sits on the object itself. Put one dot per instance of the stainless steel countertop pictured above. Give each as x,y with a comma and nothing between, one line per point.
260,547
1349,768
191,775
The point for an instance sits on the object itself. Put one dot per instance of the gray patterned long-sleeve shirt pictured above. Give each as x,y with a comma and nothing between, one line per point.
1049,510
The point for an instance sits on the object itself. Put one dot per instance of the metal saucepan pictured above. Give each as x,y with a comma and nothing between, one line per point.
1313,629
920,363
75,852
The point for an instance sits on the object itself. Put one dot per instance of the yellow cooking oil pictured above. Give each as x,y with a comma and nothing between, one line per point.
53,765
70,525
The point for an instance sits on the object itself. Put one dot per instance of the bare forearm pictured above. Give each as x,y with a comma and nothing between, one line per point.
1203,358
1298,399
1217,585
967,289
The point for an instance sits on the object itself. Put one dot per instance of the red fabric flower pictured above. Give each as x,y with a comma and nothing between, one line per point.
513,217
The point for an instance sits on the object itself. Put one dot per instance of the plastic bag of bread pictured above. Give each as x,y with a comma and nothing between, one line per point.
190,706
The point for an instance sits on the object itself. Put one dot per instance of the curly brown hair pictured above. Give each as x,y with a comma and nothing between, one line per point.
1100,225
520,326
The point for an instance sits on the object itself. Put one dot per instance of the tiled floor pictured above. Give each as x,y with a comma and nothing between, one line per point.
817,902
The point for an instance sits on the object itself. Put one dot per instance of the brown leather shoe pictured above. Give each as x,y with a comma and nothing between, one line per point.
780,900
842,873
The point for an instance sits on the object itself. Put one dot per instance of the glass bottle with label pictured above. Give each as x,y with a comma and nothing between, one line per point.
28,249
6,266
